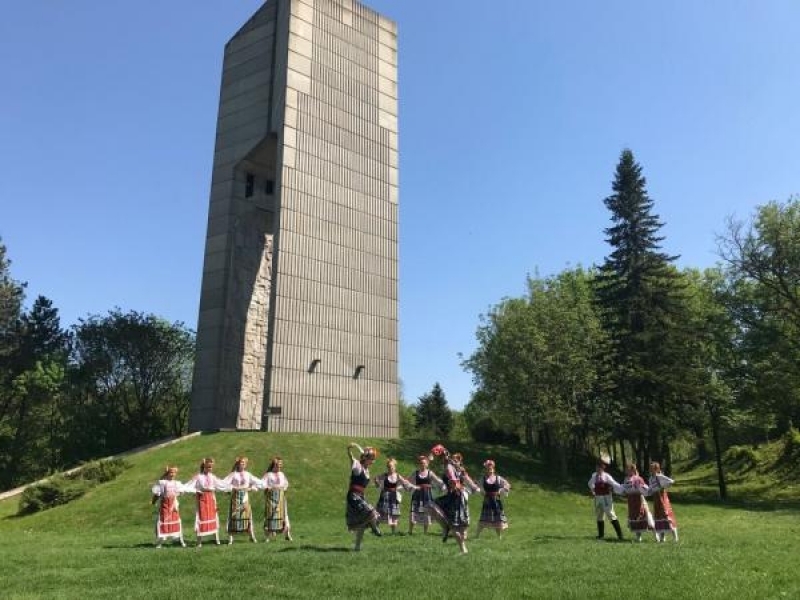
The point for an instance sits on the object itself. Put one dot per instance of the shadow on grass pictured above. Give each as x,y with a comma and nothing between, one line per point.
559,538
166,546
320,549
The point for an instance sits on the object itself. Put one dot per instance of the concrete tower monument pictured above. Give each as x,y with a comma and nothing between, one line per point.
297,328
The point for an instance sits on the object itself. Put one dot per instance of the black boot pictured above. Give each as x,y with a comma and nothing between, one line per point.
617,528
601,529
445,534
375,529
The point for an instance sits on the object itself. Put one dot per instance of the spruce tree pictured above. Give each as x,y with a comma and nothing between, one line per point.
433,414
640,300
11,297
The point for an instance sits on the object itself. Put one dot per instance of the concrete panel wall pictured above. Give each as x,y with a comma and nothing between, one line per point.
336,295
298,314
228,382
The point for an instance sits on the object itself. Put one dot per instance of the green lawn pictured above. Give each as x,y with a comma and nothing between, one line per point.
100,546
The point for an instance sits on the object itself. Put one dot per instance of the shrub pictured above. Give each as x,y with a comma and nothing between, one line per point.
53,492
66,488
741,458
101,471
791,447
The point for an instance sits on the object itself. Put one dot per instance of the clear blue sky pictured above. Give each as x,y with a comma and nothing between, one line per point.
512,118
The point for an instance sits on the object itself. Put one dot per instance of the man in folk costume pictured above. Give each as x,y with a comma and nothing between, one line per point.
165,494
662,507
360,514
205,485
635,489
602,486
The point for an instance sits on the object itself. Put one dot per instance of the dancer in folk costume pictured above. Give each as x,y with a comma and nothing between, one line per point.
240,516
276,512
390,497
492,512
422,498
635,490
360,514
662,507
452,508
165,494
205,485
601,486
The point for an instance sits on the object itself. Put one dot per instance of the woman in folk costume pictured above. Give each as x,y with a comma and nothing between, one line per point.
635,489
276,513
168,520
390,497
492,512
601,486
664,517
360,514
240,516
205,485
452,509
422,498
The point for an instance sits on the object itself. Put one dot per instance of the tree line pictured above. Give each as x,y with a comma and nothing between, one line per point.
636,355
105,385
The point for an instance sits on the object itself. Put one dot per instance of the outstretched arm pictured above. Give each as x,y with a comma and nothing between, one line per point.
254,483
350,447
615,485
220,485
407,484
471,484
663,481
156,491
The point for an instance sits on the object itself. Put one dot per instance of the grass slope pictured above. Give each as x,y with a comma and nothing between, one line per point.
763,478
100,546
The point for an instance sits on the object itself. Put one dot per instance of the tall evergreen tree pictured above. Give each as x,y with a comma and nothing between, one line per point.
433,414
31,427
41,335
11,297
639,295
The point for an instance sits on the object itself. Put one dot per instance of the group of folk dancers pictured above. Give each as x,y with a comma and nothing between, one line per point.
450,509
204,486
602,486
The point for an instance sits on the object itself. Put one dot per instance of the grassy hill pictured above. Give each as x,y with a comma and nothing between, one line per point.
100,546
766,477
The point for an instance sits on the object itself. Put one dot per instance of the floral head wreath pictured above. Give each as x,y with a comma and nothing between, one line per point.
369,452
439,450
488,463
